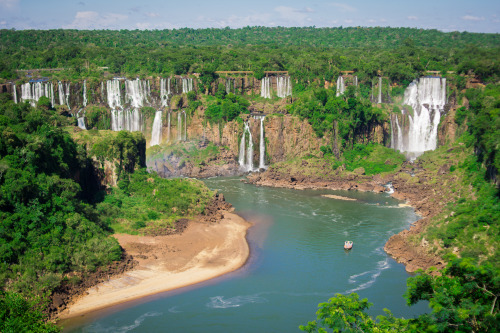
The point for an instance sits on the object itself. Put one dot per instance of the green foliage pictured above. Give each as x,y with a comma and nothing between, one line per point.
19,314
47,229
97,117
373,158
462,299
147,201
226,107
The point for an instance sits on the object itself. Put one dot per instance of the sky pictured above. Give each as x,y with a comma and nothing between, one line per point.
444,15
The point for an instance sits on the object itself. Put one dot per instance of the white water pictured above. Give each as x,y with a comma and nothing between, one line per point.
179,126
356,81
164,91
379,99
15,93
340,85
284,86
229,84
265,87
81,119
246,155
427,98
185,125
187,85
168,127
63,93
262,145
156,131
136,92
84,93
32,91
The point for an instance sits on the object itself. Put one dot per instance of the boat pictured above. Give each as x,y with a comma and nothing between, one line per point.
348,245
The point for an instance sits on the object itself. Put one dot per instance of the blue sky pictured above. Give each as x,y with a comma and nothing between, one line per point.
445,15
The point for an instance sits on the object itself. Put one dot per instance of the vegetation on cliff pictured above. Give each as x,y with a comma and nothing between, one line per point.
50,229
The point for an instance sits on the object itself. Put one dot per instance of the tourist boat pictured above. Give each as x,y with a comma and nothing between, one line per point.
348,245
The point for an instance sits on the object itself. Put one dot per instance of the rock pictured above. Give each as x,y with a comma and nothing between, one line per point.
359,171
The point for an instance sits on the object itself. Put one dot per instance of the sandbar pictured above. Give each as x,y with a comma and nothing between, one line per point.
202,252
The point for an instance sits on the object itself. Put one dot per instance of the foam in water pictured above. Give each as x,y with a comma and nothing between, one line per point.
340,85
218,302
427,98
265,87
157,129
122,329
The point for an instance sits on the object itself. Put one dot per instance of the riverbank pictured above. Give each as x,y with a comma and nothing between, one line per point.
412,183
202,252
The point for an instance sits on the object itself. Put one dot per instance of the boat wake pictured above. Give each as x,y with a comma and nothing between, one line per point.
372,276
218,302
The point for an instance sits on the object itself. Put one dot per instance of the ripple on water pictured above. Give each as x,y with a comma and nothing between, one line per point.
98,328
218,302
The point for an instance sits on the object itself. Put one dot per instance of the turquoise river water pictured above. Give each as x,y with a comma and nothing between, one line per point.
297,261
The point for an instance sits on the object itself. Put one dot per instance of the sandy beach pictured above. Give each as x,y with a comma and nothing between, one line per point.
202,252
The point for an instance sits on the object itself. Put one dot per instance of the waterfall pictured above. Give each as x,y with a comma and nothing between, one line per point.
228,85
246,155
185,126
265,87
340,85
32,91
427,98
84,93
379,99
164,91
114,102
61,92
179,126
168,127
15,93
136,92
262,144
284,86
187,85
156,131
355,81
81,120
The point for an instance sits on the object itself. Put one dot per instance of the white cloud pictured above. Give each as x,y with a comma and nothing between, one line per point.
372,21
348,21
94,20
412,18
472,18
8,3
3,22
343,7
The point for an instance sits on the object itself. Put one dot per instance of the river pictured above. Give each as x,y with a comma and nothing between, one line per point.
297,261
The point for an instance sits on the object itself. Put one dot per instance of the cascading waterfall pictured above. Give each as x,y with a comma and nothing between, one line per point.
245,158
168,127
355,81
64,93
84,93
379,99
136,93
81,120
32,91
229,84
427,98
262,145
265,87
164,91
185,125
61,92
187,85
340,85
284,86
179,126
156,131
15,93
114,102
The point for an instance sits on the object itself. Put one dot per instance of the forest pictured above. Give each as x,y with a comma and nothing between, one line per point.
55,223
